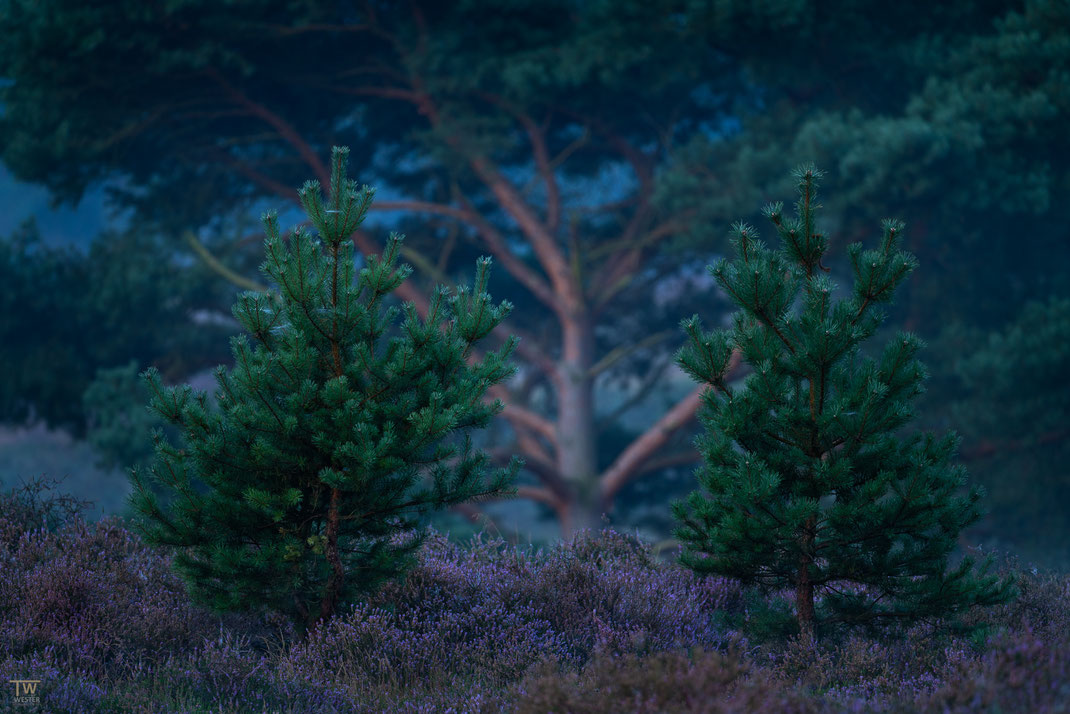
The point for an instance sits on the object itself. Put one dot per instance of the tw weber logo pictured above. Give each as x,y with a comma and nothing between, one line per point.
26,691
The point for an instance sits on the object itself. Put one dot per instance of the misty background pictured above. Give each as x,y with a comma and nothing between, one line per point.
599,152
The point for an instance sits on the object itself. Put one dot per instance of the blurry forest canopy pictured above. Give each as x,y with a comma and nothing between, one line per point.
598,150
65,315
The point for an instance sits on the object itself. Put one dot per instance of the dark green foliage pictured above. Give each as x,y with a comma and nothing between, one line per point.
806,482
296,494
660,119
764,619
65,315
119,426
1008,392
1027,400
41,358
953,113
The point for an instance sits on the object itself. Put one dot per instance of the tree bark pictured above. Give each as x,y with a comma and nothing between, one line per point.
577,438
337,577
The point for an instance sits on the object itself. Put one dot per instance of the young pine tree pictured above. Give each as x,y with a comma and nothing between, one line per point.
331,433
807,485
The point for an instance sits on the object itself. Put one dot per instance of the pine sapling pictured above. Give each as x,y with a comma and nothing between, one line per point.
809,479
334,430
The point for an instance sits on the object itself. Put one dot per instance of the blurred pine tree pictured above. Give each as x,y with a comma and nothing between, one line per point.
1008,392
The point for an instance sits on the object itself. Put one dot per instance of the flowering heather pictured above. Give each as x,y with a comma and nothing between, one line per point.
596,625
488,615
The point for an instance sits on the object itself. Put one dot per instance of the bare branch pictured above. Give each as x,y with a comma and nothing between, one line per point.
280,125
493,239
627,465
987,449
477,516
624,265
287,30
539,461
259,178
524,417
649,380
618,353
542,158
680,458
212,262
542,241
541,495
547,473
440,209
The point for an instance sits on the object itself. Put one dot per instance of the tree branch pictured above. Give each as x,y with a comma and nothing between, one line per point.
276,187
625,467
280,125
477,516
618,353
617,276
542,158
680,458
529,419
493,239
542,241
212,262
649,380
987,449
545,472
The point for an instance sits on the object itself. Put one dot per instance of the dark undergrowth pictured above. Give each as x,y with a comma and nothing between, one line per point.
596,626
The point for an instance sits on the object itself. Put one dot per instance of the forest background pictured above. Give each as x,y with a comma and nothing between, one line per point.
599,152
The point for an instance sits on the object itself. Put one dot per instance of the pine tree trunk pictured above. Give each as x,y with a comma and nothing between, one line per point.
804,591
804,603
335,581
577,439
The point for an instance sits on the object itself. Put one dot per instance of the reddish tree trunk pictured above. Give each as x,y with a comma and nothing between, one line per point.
337,578
577,438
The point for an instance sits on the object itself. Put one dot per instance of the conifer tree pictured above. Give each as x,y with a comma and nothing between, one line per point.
337,427
807,483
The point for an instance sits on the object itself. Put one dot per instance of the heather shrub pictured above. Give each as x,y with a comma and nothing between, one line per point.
1025,664
1042,606
901,665
226,672
857,669
27,509
595,625
621,595
483,615
695,682
92,595
68,691
1021,672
